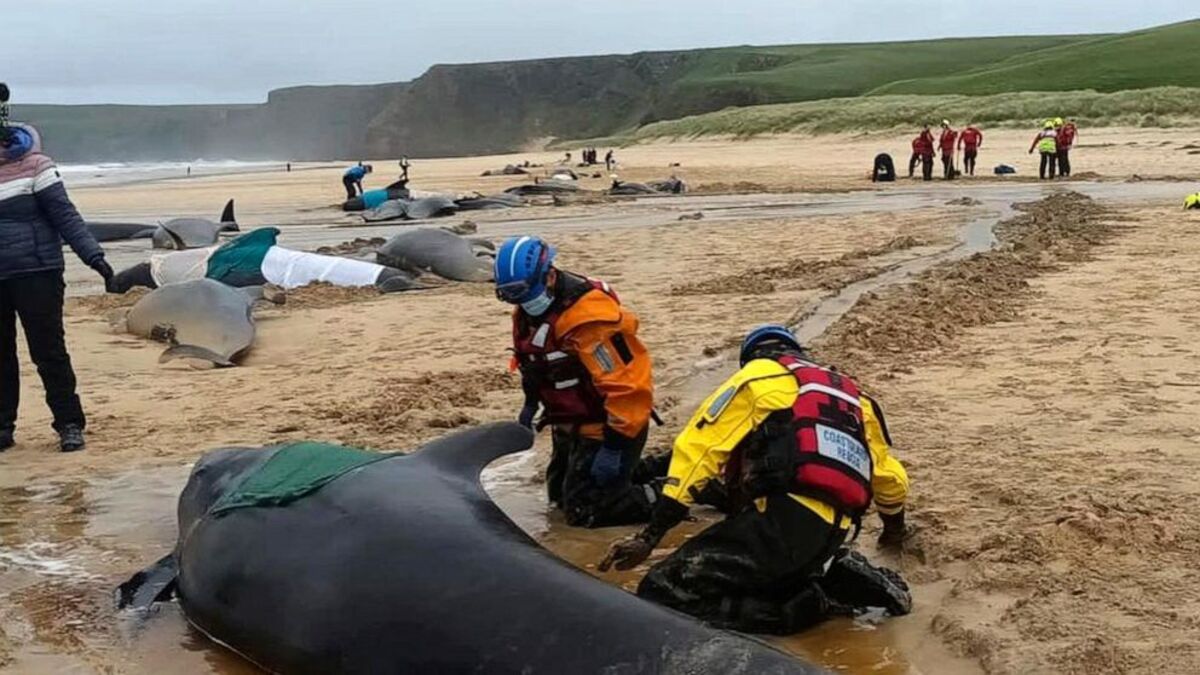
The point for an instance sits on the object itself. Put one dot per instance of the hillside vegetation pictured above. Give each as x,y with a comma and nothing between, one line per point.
1164,56
1160,107
506,107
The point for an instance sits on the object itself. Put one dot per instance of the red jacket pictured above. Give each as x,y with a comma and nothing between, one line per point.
949,136
971,138
923,144
1066,136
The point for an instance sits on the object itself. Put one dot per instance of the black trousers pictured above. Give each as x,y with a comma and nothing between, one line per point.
1048,166
38,300
927,167
754,572
1064,162
948,166
969,161
569,484
353,187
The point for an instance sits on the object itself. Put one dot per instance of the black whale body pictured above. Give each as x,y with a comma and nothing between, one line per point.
406,566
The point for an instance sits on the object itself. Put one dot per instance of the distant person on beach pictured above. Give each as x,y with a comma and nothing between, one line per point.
610,160
404,167
289,167
970,140
927,143
353,178
36,217
947,144
189,171
1066,139
1046,143
884,170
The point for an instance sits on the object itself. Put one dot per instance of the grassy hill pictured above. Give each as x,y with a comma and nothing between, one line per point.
1163,56
1158,107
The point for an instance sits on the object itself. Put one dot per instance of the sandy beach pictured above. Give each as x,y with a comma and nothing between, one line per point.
1043,398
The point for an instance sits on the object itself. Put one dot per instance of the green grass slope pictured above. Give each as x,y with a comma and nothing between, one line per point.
810,72
1159,107
1157,57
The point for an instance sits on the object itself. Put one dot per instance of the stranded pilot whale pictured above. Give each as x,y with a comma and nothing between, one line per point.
405,565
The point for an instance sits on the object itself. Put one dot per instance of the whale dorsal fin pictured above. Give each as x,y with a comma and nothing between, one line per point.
468,452
227,215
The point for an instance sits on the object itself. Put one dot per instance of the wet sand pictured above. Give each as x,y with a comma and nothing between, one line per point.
1000,580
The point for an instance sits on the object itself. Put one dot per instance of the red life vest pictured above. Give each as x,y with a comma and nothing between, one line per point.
563,383
833,461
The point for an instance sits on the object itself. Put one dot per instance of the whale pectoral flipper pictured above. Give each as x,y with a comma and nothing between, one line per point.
154,584
468,452
194,352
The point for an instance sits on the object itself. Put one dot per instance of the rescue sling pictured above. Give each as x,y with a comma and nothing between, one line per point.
561,381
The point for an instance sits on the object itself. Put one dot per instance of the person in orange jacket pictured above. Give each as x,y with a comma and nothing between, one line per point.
583,366
946,142
970,140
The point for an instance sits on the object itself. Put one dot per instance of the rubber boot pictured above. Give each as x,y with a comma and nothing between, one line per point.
6,439
852,580
71,438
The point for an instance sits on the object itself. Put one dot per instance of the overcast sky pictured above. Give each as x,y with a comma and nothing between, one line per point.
207,51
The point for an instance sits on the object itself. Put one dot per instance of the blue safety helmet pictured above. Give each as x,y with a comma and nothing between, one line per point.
771,332
522,265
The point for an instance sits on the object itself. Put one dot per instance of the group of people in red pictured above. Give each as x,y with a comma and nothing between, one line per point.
925,146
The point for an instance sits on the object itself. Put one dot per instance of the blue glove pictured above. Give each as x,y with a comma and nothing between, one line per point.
606,466
525,419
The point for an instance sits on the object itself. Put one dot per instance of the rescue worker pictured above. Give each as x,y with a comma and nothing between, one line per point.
581,362
970,140
353,178
1046,143
926,139
802,453
1192,201
947,143
915,157
1066,139
36,218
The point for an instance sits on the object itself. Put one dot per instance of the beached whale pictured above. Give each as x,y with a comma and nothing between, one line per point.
185,233
439,251
372,199
120,231
403,564
481,202
416,209
201,319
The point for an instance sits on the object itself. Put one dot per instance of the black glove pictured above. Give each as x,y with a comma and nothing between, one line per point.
101,266
525,418
627,553
894,530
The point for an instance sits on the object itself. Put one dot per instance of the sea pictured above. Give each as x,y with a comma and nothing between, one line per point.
116,173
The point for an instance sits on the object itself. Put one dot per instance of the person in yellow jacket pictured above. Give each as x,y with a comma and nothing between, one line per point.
1192,201
1046,143
802,454
582,364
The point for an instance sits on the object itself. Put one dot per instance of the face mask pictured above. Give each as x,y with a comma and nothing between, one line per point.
538,305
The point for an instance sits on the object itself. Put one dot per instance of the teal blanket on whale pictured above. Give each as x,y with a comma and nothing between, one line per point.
293,472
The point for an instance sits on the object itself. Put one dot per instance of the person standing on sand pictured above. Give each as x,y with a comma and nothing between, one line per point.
610,161
1046,143
916,155
36,217
353,178
947,143
581,362
1066,140
404,165
970,140
927,149
802,454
